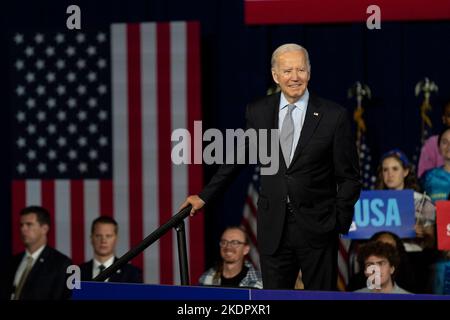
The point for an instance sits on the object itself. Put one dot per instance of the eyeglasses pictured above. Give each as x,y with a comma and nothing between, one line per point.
232,243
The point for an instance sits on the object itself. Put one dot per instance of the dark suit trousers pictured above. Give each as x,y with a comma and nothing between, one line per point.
318,265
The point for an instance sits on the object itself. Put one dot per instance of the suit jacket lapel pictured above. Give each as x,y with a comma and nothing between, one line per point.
90,266
38,264
271,112
115,276
16,262
312,118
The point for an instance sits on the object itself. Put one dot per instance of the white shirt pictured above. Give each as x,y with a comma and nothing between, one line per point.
96,264
298,115
23,263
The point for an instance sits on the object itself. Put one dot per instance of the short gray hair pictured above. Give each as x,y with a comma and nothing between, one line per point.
287,48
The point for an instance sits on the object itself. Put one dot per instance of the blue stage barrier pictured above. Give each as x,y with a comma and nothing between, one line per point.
127,291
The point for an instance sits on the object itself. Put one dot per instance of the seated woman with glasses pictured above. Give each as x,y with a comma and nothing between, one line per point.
233,270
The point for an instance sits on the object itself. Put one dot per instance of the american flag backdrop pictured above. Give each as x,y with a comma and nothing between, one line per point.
368,171
343,264
249,217
92,117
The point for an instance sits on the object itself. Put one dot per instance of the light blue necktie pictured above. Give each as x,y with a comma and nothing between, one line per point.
287,135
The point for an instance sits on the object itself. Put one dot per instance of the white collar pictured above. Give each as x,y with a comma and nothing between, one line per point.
35,254
302,102
107,263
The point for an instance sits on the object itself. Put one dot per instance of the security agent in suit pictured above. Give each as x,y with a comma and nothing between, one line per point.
104,232
305,205
39,273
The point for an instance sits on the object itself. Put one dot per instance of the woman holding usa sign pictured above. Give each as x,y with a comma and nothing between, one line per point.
396,172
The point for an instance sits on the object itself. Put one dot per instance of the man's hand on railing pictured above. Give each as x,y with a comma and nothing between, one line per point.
196,202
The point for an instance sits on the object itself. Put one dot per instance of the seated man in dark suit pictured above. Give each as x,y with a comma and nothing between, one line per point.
104,232
39,273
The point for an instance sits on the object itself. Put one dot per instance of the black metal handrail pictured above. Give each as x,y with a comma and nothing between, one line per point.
177,221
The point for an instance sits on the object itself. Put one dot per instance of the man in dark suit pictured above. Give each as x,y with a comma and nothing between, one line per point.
104,232
304,206
39,273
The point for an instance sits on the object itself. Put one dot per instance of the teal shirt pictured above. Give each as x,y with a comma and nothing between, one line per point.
436,183
441,281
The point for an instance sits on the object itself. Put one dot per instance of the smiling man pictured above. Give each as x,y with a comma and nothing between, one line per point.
291,70
305,205
233,270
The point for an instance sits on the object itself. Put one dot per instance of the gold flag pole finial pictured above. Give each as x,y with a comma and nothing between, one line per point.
359,91
426,87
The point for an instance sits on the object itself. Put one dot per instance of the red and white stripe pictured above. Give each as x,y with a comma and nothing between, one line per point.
249,222
343,263
155,69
